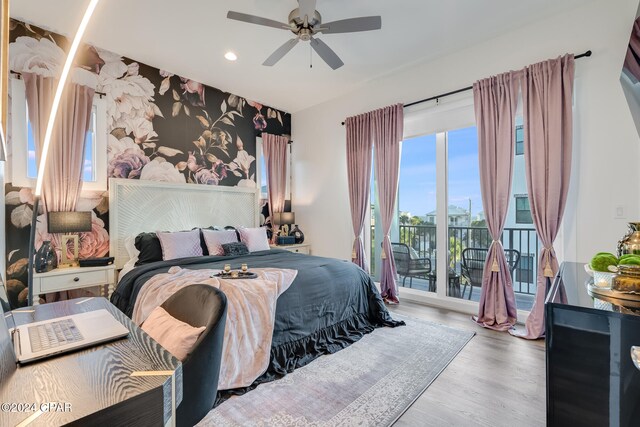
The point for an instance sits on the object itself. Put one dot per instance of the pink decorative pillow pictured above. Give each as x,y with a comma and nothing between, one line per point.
180,244
176,336
215,239
254,238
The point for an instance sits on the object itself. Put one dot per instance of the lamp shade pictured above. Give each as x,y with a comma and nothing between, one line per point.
69,222
280,218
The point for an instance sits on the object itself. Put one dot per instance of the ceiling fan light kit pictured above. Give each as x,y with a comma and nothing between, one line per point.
305,22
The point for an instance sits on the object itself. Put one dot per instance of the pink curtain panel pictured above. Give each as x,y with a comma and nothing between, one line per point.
547,91
495,101
63,175
387,128
274,148
382,128
631,60
359,148
62,181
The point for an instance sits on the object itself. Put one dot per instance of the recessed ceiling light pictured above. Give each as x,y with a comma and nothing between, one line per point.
231,56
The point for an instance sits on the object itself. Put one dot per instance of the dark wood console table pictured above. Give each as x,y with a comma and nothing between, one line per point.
591,379
131,381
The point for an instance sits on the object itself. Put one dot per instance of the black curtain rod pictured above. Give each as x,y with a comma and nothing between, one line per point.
464,89
19,76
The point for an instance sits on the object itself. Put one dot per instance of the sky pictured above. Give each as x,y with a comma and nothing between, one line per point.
418,173
88,172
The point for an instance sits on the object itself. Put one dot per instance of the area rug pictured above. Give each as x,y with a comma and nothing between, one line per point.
370,383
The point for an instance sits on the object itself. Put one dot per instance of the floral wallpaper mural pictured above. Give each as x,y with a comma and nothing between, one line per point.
161,127
19,205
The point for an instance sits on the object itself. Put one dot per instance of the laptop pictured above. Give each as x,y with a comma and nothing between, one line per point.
38,340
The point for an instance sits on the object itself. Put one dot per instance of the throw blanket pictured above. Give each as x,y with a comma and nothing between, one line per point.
251,308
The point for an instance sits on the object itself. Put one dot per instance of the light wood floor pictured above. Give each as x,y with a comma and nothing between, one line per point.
496,380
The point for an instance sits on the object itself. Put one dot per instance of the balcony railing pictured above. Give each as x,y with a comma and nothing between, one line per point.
422,238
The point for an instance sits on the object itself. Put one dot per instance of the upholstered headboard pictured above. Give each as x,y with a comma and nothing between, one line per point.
137,206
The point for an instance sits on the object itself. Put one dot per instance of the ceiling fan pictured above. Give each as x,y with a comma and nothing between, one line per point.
305,22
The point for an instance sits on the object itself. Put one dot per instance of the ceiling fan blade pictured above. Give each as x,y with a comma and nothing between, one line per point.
326,53
280,52
251,19
352,25
308,8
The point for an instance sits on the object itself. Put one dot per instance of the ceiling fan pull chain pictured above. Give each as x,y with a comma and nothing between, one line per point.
310,56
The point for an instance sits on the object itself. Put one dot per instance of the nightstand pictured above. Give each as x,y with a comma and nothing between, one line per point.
301,248
64,279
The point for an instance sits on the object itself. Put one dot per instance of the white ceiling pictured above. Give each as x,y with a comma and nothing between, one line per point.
190,37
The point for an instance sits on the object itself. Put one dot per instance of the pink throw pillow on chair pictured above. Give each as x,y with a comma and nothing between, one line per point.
172,334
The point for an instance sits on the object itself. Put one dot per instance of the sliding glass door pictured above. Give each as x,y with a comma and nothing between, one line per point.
467,231
440,234
416,247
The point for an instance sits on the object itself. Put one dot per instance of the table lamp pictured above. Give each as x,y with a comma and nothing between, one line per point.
284,219
69,222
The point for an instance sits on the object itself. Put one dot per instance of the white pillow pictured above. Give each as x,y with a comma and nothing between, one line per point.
181,244
254,238
215,239
130,247
129,265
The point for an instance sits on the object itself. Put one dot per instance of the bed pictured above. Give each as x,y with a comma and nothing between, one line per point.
330,304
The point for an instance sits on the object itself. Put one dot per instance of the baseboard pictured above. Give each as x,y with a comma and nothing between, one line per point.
449,303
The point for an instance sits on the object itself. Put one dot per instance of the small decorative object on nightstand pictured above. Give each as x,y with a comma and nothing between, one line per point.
46,258
297,233
285,240
69,222
284,219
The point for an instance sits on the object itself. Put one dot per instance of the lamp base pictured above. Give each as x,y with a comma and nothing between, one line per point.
71,264
67,262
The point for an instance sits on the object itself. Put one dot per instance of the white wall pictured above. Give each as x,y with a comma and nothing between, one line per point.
606,150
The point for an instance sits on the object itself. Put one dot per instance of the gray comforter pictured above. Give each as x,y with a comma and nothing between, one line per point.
330,304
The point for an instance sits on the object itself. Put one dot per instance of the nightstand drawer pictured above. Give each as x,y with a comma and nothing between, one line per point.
74,280
299,248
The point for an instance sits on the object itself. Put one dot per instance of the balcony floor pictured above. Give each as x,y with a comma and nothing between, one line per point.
523,301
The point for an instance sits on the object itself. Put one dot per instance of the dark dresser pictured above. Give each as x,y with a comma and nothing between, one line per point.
127,382
591,380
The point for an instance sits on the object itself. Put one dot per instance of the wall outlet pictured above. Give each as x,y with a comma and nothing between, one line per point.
620,212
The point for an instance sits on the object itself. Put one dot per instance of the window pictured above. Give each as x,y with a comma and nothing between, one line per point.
89,172
440,214
263,177
523,211
417,204
519,141
464,203
24,165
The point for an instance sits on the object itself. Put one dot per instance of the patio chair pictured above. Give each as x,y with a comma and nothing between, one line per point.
409,264
473,265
